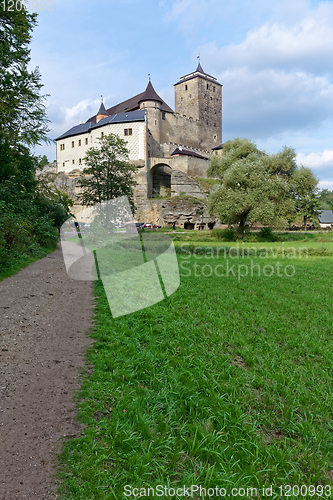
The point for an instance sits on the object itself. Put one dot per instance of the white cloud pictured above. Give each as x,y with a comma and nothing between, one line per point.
269,102
317,160
326,185
305,45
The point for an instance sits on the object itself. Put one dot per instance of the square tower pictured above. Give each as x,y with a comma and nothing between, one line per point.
199,96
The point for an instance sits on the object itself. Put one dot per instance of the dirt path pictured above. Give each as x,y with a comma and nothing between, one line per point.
44,317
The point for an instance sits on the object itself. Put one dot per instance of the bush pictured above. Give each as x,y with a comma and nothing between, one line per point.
267,234
224,234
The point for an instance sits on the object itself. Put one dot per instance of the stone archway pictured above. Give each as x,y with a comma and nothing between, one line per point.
160,180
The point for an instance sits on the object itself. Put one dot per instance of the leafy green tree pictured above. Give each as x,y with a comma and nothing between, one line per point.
325,199
254,186
108,174
22,109
304,186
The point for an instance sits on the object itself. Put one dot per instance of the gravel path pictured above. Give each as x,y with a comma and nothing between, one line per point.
44,319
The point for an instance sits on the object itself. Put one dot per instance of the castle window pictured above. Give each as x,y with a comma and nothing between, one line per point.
102,135
128,131
213,89
73,161
62,147
79,142
86,140
155,122
63,164
185,87
190,96
207,86
72,144
80,161
163,115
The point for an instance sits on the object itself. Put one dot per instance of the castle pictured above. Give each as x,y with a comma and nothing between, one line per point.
169,148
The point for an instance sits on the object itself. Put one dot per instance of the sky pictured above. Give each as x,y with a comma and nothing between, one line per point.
274,60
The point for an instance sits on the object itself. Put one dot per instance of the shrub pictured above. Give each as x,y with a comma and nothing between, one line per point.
267,234
224,234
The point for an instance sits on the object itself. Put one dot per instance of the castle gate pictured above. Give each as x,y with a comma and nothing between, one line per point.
159,178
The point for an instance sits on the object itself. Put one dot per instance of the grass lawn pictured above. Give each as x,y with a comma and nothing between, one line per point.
227,383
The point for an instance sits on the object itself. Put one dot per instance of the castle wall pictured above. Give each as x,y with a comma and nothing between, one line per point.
69,158
180,129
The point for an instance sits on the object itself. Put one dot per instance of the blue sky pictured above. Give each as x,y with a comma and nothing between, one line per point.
274,59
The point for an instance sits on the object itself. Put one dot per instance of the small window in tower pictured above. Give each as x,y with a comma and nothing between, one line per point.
86,140
129,131
80,161
63,164
79,142
190,96
207,86
125,131
213,89
215,137
163,115
72,144
186,87
155,122
102,135
73,161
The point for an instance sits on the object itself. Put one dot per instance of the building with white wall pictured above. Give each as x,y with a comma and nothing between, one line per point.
167,146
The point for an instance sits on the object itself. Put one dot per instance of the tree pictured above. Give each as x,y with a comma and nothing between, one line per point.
109,173
325,199
22,110
304,185
254,186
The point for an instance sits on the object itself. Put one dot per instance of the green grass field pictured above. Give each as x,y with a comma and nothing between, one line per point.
227,383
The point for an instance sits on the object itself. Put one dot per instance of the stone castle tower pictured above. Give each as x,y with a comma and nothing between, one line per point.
199,95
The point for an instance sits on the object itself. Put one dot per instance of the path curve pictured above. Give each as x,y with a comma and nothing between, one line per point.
44,319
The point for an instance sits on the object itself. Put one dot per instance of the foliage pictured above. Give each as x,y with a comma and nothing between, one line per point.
24,233
22,109
325,199
227,234
304,186
109,174
267,234
254,186
29,213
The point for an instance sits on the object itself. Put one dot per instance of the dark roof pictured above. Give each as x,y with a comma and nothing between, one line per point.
199,68
133,103
133,116
102,110
325,217
198,72
150,94
186,152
